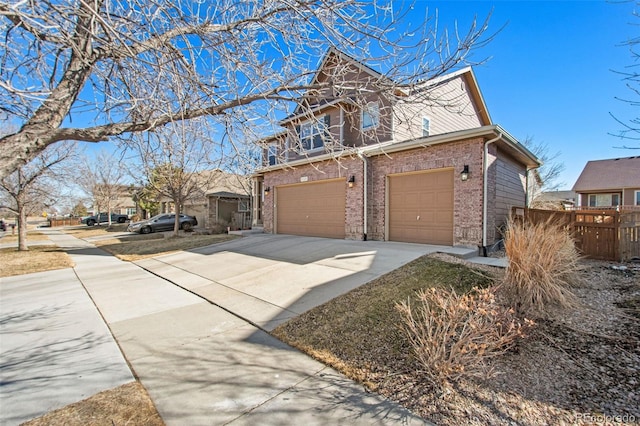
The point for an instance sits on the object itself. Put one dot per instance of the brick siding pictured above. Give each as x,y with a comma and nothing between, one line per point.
468,195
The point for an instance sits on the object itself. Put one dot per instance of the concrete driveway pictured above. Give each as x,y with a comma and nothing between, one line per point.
200,347
267,279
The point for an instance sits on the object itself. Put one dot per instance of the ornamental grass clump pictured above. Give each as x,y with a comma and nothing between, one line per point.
452,336
543,265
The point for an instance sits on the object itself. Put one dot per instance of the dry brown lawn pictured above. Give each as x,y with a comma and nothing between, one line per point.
125,405
37,259
31,236
579,367
131,247
136,247
84,231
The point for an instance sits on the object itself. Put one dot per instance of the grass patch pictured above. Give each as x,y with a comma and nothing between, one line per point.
37,259
360,333
135,247
31,236
125,405
85,231
132,247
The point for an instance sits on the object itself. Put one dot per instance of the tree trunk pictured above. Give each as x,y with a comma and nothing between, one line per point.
176,226
22,228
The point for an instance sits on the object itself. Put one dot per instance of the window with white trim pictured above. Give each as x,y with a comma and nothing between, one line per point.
426,126
312,134
637,198
370,116
604,200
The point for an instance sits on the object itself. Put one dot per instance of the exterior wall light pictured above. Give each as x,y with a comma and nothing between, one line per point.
267,190
464,175
351,181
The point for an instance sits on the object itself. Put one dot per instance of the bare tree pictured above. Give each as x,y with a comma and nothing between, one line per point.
546,177
36,186
112,65
103,180
631,76
177,163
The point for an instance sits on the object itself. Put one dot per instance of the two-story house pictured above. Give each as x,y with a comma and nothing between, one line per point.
362,159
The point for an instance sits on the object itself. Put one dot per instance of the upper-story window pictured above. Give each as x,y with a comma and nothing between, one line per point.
637,198
272,154
370,116
313,133
426,126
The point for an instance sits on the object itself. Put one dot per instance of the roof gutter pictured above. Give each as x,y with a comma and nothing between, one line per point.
485,201
387,147
365,210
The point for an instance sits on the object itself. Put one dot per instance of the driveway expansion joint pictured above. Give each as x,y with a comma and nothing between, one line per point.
235,314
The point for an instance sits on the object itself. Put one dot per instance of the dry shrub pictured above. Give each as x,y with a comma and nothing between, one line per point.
453,335
543,264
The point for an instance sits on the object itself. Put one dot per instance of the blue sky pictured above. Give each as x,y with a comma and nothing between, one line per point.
550,74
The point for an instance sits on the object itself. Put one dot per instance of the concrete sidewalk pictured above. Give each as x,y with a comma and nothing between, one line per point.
55,349
204,365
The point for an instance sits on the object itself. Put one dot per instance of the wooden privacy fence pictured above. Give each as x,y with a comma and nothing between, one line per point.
598,234
64,221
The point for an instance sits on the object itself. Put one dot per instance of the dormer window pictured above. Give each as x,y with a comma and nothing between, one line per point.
313,133
426,126
370,116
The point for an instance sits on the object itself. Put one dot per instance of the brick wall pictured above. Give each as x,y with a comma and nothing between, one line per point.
468,195
344,167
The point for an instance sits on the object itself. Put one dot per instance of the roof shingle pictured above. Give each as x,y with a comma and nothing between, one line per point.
616,173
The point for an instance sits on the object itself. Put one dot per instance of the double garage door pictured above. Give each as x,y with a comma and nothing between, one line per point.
312,209
420,208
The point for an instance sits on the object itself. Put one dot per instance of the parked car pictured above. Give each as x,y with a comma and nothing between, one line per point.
162,222
103,218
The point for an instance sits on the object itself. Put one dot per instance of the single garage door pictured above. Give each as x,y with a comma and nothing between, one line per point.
421,207
312,209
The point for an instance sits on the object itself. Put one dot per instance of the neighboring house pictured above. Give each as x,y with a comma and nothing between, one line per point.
609,183
120,200
356,165
221,200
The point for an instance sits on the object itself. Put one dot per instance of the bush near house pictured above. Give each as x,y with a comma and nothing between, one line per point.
452,335
543,265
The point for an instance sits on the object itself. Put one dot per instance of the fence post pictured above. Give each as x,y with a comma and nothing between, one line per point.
616,236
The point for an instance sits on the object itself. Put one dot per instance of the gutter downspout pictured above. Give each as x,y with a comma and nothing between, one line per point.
365,210
485,202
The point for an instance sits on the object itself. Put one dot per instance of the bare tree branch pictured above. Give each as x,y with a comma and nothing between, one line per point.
114,66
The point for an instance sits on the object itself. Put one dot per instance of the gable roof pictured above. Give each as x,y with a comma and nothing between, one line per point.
465,73
345,58
470,78
615,173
